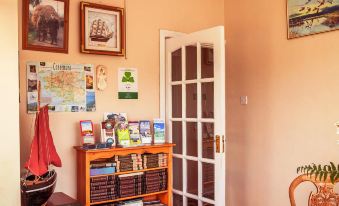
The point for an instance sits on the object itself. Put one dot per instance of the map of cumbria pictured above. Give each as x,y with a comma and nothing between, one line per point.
66,88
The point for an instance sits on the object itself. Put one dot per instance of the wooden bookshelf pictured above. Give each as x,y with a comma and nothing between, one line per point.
84,157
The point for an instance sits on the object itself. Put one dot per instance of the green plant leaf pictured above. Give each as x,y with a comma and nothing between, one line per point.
329,168
312,172
319,167
131,79
325,170
309,168
321,175
124,79
128,74
314,166
332,176
336,177
325,175
316,175
333,166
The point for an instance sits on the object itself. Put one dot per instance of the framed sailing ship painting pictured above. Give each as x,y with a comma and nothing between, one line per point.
102,29
45,25
307,17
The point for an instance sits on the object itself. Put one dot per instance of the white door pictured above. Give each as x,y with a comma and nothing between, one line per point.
195,116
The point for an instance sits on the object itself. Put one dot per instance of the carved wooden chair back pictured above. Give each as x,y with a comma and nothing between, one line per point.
324,196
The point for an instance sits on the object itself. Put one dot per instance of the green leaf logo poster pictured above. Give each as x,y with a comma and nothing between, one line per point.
128,83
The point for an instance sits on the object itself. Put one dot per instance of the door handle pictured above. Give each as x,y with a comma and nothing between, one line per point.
217,143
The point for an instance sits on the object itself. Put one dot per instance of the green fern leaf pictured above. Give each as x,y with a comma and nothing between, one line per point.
333,166
321,175
325,168
332,176
325,175
336,177
316,175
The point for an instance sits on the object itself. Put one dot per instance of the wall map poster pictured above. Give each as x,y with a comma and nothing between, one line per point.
64,87
128,83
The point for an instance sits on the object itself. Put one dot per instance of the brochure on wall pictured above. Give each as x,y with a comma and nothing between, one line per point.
159,131
128,83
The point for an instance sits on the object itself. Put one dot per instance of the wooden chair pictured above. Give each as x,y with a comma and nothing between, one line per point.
325,195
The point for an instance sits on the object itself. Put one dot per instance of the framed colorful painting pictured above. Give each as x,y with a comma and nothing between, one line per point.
102,29
307,17
45,25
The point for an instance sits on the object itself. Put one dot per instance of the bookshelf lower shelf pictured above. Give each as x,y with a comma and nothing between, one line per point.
131,197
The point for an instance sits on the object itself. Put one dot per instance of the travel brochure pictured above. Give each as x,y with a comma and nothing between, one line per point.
116,130
86,131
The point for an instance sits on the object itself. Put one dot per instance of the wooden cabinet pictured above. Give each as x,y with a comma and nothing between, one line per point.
84,157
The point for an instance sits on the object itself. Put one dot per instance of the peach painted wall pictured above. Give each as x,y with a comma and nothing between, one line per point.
144,19
292,86
9,118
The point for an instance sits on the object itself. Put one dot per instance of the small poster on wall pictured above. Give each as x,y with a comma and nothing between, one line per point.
64,87
128,83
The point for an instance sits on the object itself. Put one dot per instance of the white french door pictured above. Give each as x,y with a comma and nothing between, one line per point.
195,116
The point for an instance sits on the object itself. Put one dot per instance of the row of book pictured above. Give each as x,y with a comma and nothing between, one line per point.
112,187
154,160
102,166
116,130
135,202
131,162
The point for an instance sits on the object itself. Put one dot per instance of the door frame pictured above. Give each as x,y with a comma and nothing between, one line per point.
164,34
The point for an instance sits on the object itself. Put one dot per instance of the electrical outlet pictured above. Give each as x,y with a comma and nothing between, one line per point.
243,100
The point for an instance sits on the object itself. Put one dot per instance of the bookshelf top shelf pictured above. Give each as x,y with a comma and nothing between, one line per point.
116,149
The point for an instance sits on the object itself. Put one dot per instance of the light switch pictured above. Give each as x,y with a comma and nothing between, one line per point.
243,100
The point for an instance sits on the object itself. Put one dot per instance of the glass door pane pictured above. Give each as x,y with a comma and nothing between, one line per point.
177,200
208,180
207,61
177,173
208,140
191,100
176,65
177,136
191,62
192,139
176,101
192,177
207,100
